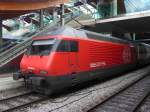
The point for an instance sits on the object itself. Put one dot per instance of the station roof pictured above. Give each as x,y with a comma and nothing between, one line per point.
11,8
133,22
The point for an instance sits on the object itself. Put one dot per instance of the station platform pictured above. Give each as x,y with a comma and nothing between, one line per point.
5,75
7,82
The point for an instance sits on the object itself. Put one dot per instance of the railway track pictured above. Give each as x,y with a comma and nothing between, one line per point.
131,99
20,101
85,99
144,105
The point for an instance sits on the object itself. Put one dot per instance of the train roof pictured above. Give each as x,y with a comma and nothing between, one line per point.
99,36
81,33
62,30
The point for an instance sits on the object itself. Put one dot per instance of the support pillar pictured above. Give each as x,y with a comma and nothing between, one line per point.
1,30
55,14
41,18
62,15
134,36
115,8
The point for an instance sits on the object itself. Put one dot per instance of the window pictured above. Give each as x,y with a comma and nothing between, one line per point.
73,46
68,46
63,46
41,47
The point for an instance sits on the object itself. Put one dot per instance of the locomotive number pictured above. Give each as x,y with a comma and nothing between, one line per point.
97,64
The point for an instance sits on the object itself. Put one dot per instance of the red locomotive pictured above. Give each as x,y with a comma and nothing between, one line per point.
65,56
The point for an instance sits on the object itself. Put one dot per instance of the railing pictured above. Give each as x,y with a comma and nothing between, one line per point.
8,46
4,44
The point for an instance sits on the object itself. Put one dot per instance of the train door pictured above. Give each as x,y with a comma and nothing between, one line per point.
73,56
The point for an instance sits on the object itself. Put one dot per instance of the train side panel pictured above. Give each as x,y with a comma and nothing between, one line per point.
98,57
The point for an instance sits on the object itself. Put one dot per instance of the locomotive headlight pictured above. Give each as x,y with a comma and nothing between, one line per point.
43,72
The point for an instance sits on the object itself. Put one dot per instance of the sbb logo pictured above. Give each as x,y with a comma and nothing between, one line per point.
126,55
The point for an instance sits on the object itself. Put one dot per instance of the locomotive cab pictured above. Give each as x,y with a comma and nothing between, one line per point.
41,47
51,61
46,60
36,57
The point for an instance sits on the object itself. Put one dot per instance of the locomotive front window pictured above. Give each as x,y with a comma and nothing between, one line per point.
41,47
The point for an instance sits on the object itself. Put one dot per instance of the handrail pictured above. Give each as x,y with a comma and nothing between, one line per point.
4,44
7,47
9,44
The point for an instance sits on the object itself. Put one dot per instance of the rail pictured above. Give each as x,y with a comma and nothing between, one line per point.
20,101
127,100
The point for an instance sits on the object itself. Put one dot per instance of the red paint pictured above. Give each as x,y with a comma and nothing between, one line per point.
93,54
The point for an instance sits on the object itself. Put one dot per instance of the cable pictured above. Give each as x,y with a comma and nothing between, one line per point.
77,21
68,103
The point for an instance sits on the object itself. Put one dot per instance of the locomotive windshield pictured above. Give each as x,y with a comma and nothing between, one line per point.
41,47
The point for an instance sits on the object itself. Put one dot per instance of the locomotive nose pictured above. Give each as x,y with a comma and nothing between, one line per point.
38,81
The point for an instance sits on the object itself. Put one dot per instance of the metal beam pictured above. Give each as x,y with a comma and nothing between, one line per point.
134,36
115,8
55,14
1,28
62,15
41,18
143,40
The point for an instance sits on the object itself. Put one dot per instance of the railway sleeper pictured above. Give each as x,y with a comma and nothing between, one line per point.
127,100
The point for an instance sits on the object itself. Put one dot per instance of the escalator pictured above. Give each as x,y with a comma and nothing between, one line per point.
17,50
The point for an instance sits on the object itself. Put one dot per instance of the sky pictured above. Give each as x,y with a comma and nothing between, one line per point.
137,5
